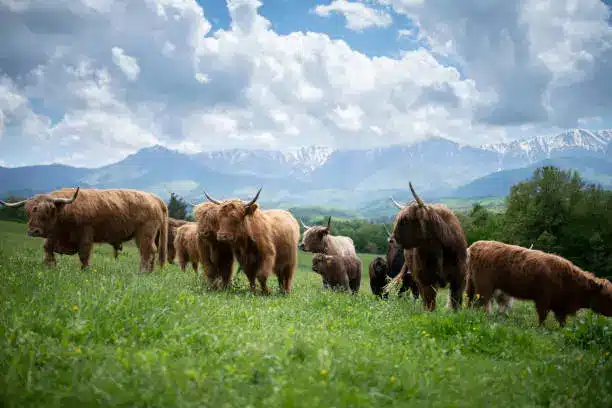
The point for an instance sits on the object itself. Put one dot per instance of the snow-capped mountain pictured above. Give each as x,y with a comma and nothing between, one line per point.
325,176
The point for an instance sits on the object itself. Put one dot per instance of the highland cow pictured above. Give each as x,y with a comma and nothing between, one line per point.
92,216
551,281
379,272
263,241
338,271
440,249
317,239
217,257
64,246
399,261
186,245
173,224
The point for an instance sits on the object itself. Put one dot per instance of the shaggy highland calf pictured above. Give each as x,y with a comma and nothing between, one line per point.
552,282
186,245
440,249
216,257
399,262
263,241
341,272
91,216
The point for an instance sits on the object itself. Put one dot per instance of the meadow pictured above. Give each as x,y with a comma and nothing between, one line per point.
110,336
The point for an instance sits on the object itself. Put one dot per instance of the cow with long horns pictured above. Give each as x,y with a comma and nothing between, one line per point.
88,216
263,241
217,257
440,248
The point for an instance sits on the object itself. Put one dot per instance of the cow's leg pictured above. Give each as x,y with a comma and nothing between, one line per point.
49,254
85,253
455,294
194,265
429,297
146,247
171,253
182,259
542,309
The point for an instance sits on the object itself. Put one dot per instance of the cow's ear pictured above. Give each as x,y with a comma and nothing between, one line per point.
250,209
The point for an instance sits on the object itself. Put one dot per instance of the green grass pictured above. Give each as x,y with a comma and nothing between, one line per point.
110,337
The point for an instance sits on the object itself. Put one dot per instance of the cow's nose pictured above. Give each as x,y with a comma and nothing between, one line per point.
223,237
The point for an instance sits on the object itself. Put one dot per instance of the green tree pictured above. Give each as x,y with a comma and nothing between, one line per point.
177,207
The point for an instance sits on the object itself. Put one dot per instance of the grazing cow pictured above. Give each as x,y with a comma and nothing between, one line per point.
91,216
551,281
440,249
217,257
186,245
399,261
379,271
263,241
338,271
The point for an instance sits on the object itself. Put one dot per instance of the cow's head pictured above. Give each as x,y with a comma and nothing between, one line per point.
206,215
43,211
379,266
313,238
231,216
410,228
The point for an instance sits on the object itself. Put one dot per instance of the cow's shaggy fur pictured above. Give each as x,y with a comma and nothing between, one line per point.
88,216
217,257
338,271
379,272
263,241
440,249
399,262
186,245
551,281
173,224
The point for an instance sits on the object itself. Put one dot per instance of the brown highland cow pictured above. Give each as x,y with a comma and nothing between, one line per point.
552,282
440,249
338,271
263,241
379,272
216,257
186,245
317,239
91,216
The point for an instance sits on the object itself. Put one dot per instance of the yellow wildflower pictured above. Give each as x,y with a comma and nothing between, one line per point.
75,308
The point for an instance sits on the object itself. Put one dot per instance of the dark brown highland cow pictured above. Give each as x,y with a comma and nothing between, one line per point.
263,241
379,272
91,216
65,246
216,257
440,249
552,282
186,245
338,271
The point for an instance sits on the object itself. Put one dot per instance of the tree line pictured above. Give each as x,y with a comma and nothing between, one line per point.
554,210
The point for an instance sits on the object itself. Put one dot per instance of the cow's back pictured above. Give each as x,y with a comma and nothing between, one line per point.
114,213
285,233
340,245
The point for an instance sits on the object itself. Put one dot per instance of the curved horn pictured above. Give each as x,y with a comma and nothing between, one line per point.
61,200
304,225
191,203
328,222
398,205
254,198
14,205
212,200
386,229
416,196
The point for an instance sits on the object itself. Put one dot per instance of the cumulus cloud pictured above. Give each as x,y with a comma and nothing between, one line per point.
542,61
88,82
358,16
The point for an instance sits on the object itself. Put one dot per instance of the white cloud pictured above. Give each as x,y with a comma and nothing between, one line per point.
358,16
88,82
127,64
543,60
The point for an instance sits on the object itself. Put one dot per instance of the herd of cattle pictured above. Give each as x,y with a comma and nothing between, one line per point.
427,250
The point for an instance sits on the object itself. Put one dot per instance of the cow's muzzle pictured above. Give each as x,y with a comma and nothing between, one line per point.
224,237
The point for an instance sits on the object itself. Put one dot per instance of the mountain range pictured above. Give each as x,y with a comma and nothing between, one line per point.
347,178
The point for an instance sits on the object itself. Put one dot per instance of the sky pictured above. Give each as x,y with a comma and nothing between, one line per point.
88,82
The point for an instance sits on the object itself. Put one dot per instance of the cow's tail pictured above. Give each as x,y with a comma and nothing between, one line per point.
163,239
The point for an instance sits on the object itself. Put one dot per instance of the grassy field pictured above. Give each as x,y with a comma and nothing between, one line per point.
112,337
